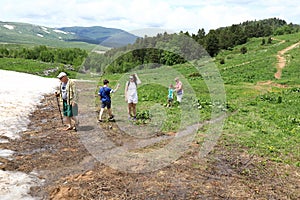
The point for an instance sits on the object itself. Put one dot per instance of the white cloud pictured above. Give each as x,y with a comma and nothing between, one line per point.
175,15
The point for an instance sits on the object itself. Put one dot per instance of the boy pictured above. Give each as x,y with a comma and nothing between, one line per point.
104,93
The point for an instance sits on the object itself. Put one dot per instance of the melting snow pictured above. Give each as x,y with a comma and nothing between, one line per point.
45,30
16,185
10,27
5,153
59,31
19,95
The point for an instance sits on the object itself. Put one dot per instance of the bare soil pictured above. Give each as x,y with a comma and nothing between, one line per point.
281,60
70,172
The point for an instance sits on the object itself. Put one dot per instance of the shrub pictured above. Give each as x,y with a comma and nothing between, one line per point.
244,50
222,61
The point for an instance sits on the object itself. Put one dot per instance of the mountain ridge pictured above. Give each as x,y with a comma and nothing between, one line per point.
26,33
110,37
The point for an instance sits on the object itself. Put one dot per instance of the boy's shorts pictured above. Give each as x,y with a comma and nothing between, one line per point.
106,104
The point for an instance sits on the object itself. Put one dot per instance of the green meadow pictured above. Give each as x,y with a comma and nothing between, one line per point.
267,117
262,112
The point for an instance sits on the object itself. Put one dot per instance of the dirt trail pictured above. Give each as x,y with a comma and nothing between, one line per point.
282,60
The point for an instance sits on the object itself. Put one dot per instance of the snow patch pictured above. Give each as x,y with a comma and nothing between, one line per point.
10,27
45,30
100,52
16,185
2,141
6,153
40,35
59,31
20,93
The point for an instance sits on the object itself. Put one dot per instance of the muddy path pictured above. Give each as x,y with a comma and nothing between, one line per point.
70,171
281,60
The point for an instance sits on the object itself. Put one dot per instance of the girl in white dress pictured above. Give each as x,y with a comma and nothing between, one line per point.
131,95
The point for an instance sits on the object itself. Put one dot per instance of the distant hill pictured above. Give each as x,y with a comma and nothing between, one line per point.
109,37
25,33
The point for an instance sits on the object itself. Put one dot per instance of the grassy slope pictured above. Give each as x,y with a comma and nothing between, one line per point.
23,65
267,121
32,66
27,34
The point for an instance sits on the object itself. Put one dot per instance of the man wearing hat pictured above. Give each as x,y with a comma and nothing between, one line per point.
68,96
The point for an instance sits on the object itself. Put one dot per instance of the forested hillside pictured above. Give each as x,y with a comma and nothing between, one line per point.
150,49
237,34
72,56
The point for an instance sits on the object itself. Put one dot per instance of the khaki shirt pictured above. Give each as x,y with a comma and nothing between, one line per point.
71,92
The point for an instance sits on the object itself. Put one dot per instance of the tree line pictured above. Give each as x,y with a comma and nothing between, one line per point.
72,56
153,49
150,52
228,37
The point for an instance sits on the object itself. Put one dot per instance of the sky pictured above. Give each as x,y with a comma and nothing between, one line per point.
147,15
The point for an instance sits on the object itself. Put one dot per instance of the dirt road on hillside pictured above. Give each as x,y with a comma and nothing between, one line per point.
281,60
70,172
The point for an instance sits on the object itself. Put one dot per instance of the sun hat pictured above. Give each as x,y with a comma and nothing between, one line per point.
61,74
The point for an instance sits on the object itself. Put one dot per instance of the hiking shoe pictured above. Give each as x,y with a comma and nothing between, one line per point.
111,117
100,120
68,128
